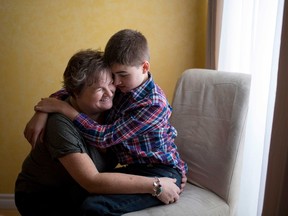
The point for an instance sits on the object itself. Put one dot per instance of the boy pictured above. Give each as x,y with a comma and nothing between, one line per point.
137,128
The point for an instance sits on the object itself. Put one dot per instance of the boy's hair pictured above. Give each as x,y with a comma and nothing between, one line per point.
127,47
83,69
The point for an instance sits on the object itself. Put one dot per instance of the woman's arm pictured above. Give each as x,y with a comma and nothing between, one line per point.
34,130
82,169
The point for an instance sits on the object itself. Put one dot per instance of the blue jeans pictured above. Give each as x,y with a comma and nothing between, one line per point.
121,204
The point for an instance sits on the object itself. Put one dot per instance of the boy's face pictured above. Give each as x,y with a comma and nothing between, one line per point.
97,97
127,78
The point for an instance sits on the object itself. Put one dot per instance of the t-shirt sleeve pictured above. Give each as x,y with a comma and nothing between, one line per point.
62,137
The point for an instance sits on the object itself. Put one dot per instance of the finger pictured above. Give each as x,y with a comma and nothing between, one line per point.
176,198
172,201
37,108
165,201
182,188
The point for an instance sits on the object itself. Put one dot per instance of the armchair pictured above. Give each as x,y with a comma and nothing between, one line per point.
209,113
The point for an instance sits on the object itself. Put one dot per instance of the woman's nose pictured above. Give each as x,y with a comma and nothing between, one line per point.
110,92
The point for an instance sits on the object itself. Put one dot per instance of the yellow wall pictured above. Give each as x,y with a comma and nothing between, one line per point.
38,37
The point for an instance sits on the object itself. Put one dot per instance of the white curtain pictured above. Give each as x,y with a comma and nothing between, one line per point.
249,43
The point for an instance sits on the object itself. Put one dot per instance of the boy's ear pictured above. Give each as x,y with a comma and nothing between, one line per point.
146,66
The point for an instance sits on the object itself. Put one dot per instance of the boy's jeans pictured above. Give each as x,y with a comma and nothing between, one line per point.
121,204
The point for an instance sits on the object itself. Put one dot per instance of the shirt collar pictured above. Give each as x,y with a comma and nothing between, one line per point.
142,90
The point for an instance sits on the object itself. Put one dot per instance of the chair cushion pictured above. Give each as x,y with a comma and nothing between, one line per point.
194,201
209,112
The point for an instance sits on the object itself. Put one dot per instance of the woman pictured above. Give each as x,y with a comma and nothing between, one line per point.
59,173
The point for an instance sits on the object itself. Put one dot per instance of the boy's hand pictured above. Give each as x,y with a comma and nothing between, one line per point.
34,130
49,105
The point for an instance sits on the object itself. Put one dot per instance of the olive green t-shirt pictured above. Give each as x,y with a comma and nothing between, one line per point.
42,171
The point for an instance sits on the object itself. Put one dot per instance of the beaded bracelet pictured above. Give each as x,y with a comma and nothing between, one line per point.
157,187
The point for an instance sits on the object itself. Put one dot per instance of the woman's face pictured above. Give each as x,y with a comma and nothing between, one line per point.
97,97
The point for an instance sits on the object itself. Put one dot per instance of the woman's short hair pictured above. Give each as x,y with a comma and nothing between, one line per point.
83,69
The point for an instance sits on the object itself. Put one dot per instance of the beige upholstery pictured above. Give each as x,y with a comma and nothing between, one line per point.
209,113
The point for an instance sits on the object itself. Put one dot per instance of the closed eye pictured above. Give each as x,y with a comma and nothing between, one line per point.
121,74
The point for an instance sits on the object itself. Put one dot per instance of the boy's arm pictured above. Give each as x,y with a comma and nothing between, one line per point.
133,124
50,105
34,129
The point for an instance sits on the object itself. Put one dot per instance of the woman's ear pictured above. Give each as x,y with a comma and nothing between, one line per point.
146,66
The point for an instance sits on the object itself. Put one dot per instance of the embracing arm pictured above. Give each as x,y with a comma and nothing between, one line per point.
133,124
34,130
115,183
53,105
35,127
141,120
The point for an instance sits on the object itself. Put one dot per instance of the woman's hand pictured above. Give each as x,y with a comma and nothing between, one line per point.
34,130
170,191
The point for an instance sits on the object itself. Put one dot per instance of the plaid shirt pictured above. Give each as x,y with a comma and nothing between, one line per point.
137,128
